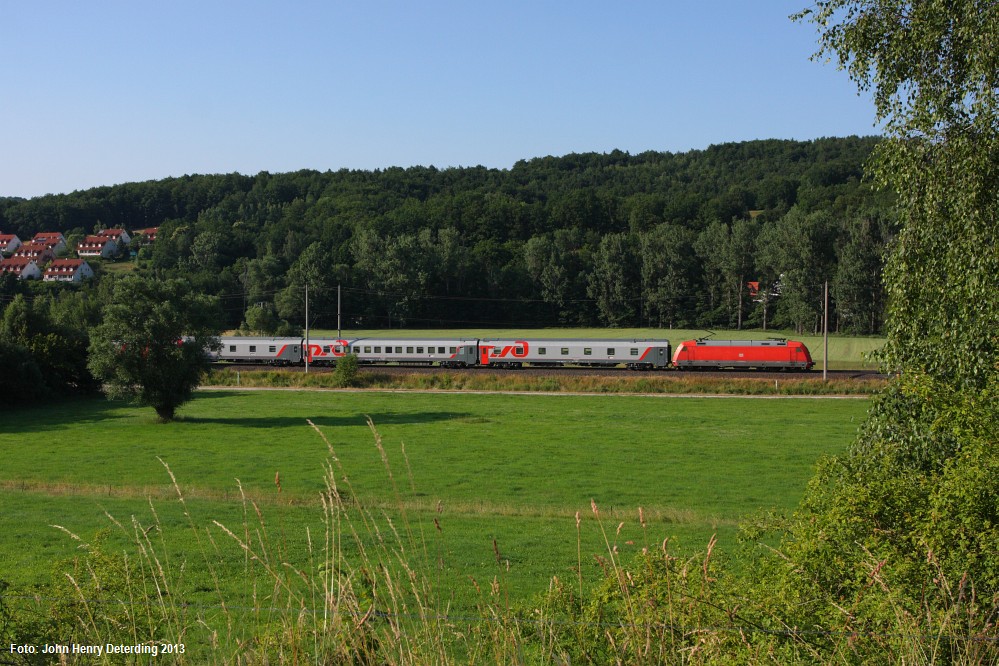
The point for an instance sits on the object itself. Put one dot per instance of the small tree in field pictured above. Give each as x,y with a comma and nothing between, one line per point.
151,344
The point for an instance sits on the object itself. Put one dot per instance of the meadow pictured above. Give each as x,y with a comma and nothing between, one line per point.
503,476
428,524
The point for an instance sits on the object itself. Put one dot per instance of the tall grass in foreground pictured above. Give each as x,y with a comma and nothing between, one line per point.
373,590
661,609
370,591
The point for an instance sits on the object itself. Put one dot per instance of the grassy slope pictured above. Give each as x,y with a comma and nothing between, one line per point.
510,468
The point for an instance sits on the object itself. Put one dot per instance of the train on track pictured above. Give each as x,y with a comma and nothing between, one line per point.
707,353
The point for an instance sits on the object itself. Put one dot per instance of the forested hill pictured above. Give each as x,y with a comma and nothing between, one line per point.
654,239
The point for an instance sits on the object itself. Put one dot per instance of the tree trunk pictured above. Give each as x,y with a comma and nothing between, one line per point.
165,412
740,303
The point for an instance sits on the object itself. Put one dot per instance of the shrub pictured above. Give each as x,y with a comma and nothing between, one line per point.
346,372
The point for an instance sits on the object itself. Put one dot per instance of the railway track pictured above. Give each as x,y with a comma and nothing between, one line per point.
573,372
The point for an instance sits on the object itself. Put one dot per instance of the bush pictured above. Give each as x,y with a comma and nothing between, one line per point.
345,374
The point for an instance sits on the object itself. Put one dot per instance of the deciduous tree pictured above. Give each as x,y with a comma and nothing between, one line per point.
668,274
151,345
905,525
614,283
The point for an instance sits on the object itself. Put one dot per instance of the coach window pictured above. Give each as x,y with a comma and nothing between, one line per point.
409,350
542,351
367,350
232,348
452,350
518,351
587,351
328,349
253,349
378,350
272,349
339,349
398,350
565,351
419,350
440,350
633,351
610,351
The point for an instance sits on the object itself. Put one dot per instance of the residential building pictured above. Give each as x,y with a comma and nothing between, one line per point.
23,267
97,246
120,236
41,253
55,240
9,243
146,235
68,270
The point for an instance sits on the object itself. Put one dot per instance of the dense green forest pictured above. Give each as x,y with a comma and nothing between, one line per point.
654,239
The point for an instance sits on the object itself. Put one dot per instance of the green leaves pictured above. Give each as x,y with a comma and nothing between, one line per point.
151,345
918,489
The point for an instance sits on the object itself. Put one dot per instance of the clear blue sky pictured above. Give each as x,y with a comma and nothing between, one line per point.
99,93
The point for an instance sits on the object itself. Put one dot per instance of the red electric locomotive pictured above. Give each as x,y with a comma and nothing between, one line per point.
773,354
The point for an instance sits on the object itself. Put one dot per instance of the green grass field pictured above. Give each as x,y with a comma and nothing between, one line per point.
845,352
509,469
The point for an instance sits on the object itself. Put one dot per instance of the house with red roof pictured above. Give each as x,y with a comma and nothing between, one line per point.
42,254
53,239
68,270
23,267
120,236
9,243
97,246
147,235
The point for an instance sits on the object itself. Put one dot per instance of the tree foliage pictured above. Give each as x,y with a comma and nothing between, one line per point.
347,371
50,332
151,344
916,496
21,381
474,246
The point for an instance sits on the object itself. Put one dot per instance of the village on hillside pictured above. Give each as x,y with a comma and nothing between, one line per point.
46,255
